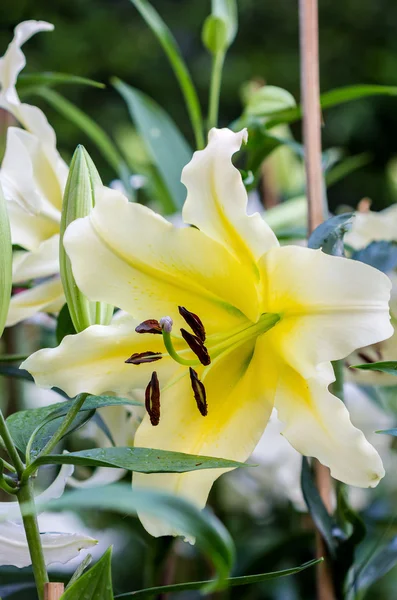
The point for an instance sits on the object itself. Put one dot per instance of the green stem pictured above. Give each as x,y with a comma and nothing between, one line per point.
13,358
9,444
25,497
174,354
58,435
215,89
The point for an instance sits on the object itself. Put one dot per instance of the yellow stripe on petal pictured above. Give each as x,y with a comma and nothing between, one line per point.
216,201
240,390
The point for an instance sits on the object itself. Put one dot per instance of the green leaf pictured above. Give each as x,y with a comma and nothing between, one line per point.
23,423
91,129
51,79
80,570
211,536
140,460
345,167
392,431
15,372
64,324
381,255
170,47
379,564
168,148
385,366
329,235
267,100
230,582
321,518
96,584
334,98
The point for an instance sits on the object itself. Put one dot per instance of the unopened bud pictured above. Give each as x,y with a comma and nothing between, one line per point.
78,201
5,262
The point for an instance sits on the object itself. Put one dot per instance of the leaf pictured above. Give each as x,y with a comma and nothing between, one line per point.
9,589
322,520
168,148
91,129
210,534
80,570
334,98
385,366
64,324
96,584
51,79
170,47
141,460
379,564
392,431
23,423
381,255
230,582
15,372
347,166
329,235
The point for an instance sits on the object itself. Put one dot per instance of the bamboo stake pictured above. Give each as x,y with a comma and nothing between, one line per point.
310,92
53,591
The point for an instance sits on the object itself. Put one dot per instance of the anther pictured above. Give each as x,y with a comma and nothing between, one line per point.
193,321
166,324
143,357
199,392
149,326
197,346
152,399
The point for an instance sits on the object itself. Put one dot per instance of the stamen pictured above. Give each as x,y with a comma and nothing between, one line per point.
166,324
199,392
149,326
197,346
152,399
194,322
143,357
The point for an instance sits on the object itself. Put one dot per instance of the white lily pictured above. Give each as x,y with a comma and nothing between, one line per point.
57,547
33,176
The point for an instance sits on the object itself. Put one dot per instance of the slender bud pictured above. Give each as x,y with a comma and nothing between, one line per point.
78,201
5,262
199,392
140,358
197,346
152,399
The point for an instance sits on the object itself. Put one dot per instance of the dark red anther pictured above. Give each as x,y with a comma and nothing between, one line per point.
149,326
140,358
197,346
193,321
152,399
199,392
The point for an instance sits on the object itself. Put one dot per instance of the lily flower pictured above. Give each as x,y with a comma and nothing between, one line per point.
223,324
367,227
57,547
33,177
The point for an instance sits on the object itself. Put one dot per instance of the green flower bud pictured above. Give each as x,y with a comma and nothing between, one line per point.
220,27
268,100
78,201
5,262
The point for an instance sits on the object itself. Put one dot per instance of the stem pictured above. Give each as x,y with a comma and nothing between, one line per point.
9,444
26,496
310,92
215,89
13,358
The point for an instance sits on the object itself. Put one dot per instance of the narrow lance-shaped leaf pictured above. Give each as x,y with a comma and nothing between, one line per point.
96,584
5,262
168,148
385,366
82,185
25,80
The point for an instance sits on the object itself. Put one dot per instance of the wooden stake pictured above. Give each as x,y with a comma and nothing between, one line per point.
310,92
53,591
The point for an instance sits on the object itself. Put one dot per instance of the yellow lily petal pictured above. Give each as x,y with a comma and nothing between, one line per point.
47,297
150,267
41,263
216,201
94,360
28,230
240,390
318,424
329,306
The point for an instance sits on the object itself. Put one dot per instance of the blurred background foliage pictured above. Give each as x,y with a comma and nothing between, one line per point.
104,38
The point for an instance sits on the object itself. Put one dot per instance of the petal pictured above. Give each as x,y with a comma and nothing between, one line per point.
329,305
216,201
150,267
31,176
240,389
29,230
93,361
57,547
44,297
318,424
373,227
41,263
